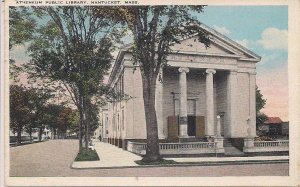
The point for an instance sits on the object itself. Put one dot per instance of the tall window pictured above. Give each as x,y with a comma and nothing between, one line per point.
176,107
118,122
122,120
106,123
191,107
114,123
122,84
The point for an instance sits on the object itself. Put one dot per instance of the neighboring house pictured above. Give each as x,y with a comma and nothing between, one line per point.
285,128
198,85
275,126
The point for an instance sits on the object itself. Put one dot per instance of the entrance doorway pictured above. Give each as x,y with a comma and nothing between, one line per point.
222,121
191,115
191,125
191,120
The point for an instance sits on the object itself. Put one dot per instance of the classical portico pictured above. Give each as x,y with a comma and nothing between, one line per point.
210,117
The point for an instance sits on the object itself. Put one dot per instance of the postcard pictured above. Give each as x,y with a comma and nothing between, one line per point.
148,93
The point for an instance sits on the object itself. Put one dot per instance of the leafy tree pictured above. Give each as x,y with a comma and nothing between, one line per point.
94,118
19,110
20,31
260,104
48,116
73,122
73,48
25,106
155,29
38,101
63,121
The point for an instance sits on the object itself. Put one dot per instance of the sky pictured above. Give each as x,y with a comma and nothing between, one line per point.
263,30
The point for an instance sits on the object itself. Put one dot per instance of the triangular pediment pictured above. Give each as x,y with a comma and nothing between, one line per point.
220,45
192,45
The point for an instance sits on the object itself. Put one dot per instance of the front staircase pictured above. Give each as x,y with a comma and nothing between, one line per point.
231,150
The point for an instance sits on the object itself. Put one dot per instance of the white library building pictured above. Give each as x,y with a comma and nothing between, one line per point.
205,101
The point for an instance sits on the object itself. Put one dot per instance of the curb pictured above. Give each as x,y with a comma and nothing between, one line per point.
209,163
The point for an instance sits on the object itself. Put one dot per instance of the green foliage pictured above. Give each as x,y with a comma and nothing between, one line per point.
73,120
260,101
72,49
260,104
26,108
20,30
157,162
87,155
94,123
20,108
155,29
261,118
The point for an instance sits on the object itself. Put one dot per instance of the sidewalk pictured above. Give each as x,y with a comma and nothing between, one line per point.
113,157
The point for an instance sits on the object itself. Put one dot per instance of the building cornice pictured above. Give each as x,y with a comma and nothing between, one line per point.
217,38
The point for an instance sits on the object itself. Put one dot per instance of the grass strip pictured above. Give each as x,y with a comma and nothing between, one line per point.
87,155
158,162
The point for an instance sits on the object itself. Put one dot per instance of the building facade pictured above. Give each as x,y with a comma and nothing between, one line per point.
101,132
204,92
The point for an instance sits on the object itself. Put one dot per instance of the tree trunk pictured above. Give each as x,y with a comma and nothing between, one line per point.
54,133
80,132
87,124
19,132
30,133
81,124
40,133
152,151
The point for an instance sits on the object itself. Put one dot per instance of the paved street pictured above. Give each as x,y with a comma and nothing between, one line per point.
54,158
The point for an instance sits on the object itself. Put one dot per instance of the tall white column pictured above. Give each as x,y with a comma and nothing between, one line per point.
183,102
251,121
252,103
210,119
159,107
231,104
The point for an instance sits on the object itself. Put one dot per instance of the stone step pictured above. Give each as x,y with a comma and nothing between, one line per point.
227,143
233,151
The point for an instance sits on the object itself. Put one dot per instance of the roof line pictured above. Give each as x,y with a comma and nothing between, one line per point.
228,40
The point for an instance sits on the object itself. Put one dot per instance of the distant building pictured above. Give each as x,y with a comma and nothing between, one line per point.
275,126
285,128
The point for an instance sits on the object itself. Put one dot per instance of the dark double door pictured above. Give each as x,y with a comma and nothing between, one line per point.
195,126
191,125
